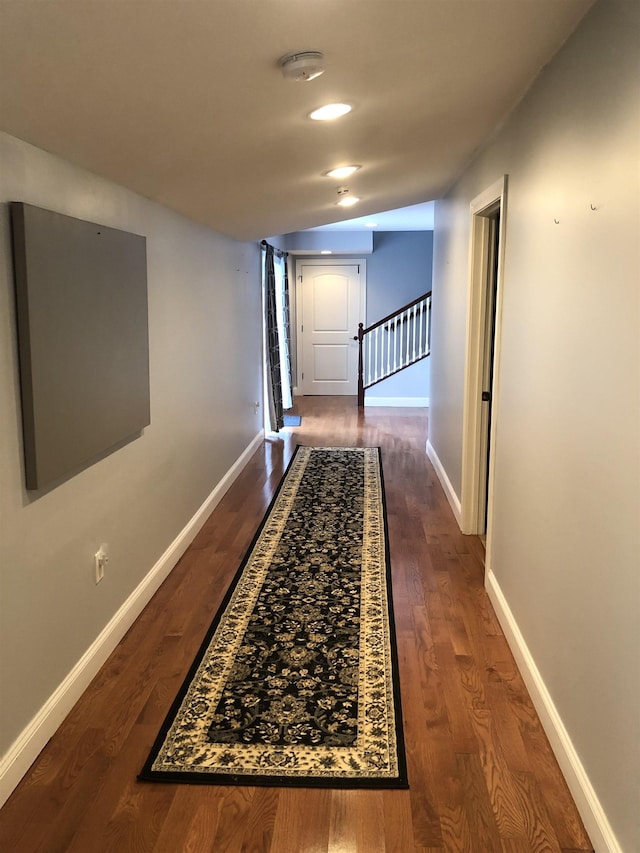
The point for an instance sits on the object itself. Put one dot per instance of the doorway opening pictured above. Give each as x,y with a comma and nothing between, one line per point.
487,213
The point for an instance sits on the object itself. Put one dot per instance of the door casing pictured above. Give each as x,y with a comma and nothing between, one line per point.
474,478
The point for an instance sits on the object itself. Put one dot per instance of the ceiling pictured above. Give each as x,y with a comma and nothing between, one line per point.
183,101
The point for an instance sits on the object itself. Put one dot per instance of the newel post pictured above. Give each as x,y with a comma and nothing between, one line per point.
360,367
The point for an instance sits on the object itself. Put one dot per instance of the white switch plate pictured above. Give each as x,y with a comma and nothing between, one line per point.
101,558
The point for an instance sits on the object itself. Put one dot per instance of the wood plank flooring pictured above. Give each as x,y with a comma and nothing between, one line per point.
482,775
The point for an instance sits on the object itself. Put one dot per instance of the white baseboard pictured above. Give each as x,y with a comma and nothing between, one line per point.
586,800
34,737
445,482
409,402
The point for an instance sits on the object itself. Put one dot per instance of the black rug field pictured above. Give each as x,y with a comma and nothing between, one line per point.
296,682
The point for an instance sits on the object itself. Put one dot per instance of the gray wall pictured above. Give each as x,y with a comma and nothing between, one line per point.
398,271
205,374
566,533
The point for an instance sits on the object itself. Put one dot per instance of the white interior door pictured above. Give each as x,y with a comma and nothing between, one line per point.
330,306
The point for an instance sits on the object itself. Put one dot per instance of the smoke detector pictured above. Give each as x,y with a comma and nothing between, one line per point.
345,199
302,66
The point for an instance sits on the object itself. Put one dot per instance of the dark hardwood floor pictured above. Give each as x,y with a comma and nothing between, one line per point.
482,775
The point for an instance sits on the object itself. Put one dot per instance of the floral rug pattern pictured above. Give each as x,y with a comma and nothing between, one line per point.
296,682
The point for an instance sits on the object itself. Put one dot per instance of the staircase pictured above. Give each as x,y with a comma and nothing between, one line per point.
393,343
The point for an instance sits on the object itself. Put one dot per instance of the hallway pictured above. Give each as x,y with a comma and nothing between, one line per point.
481,773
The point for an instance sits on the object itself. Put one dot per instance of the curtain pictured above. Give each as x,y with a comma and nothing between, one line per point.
287,321
284,333
274,377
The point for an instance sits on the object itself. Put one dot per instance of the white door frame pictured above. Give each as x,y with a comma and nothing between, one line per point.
334,261
480,210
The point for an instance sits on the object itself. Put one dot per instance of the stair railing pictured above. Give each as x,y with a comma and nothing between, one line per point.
393,343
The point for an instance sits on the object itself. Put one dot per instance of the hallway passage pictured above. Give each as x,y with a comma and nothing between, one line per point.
482,775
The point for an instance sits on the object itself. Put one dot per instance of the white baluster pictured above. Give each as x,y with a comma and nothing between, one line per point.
421,307
395,341
415,311
365,350
426,328
387,344
404,338
376,352
407,341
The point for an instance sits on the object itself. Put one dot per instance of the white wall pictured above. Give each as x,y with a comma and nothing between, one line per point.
336,242
205,372
565,544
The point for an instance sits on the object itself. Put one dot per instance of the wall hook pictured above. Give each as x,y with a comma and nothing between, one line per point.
557,221
593,206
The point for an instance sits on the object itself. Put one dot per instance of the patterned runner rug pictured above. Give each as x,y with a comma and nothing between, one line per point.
296,681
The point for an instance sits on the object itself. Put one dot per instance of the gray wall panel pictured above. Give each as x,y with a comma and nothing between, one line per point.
83,339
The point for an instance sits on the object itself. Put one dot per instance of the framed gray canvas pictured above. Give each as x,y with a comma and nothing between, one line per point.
83,339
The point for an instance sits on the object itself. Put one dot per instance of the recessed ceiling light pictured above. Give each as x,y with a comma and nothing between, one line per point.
371,224
330,111
325,251
342,171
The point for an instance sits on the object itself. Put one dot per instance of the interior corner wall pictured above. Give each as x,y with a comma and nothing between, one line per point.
398,271
205,375
565,535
